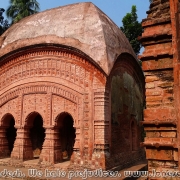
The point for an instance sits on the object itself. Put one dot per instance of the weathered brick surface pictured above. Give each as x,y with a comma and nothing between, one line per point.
157,30
159,154
168,134
150,85
157,64
150,92
159,114
126,114
159,57
151,79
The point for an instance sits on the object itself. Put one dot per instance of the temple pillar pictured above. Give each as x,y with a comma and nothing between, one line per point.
101,129
51,150
22,147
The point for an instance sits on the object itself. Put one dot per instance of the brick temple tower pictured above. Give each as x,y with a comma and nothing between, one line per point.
161,64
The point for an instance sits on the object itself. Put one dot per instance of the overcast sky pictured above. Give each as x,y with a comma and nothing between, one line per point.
115,9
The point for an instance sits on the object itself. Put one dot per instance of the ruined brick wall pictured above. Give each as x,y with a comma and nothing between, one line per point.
126,87
160,120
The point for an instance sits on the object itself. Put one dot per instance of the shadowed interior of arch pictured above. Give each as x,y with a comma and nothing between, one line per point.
66,135
37,135
10,133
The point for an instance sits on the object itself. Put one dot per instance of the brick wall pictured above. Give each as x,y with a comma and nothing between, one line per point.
126,113
160,118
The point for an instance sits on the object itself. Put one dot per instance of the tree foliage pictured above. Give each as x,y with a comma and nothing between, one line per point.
19,9
132,29
4,25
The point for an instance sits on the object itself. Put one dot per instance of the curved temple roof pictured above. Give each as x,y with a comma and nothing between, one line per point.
82,26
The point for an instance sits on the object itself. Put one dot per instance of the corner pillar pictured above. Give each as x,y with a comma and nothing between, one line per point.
101,129
22,147
51,152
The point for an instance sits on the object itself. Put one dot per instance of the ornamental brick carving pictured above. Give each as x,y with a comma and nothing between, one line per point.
43,64
50,83
10,107
62,100
34,102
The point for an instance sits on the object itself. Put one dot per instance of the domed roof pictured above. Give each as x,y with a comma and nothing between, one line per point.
82,26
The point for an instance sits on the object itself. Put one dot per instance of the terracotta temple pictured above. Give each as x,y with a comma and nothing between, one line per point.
71,88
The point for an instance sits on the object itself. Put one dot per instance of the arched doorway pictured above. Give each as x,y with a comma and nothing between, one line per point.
66,135
8,135
36,133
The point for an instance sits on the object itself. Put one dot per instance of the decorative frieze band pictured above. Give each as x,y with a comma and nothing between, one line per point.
40,89
48,63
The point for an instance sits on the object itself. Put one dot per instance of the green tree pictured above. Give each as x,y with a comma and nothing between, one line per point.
132,29
19,9
4,25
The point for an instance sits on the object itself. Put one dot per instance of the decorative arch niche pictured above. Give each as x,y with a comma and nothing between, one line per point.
125,84
64,123
36,134
7,134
